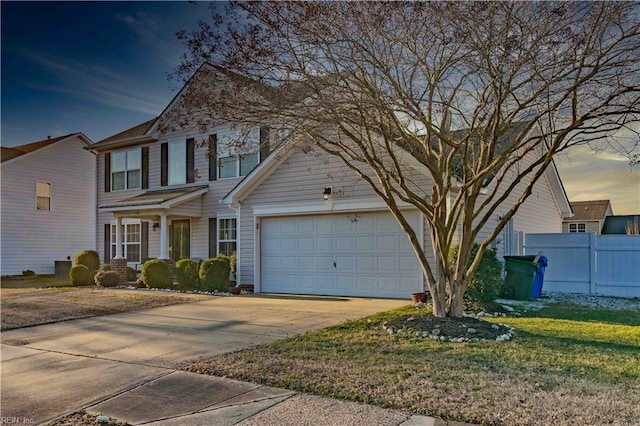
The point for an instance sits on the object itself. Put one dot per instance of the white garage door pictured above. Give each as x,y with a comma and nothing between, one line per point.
364,254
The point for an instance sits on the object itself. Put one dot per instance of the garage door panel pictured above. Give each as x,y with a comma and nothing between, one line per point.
363,254
387,264
288,263
345,244
345,282
325,244
365,244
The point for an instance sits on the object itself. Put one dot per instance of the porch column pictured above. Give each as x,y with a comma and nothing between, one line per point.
118,239
164,238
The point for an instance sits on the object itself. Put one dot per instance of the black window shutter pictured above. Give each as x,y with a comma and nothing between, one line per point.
213,157
164,164
144,242
107,243
107,172
145,167
190,160
213,237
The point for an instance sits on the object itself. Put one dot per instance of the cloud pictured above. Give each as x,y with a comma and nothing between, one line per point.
593,176
94,83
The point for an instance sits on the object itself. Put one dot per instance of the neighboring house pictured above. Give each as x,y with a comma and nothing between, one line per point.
622,225
300,223
48,192
588,216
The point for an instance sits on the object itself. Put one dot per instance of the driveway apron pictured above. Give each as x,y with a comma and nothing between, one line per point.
51,370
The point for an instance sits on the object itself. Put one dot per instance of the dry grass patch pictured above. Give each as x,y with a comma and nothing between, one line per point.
36,306
555,371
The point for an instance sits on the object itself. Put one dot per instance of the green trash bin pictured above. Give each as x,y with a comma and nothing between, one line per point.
521,272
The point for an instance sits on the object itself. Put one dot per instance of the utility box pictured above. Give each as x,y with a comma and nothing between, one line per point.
62,268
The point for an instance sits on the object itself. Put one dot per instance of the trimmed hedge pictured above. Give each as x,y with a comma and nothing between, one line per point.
131,274
486,283
187,274
214,274
80,275
88,258
107,278
155,274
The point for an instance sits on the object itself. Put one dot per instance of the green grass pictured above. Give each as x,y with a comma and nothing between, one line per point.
36,282
567,365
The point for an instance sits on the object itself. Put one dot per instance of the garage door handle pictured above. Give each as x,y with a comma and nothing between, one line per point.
334,265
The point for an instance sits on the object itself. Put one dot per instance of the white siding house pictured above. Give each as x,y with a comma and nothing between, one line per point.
48,191
181,202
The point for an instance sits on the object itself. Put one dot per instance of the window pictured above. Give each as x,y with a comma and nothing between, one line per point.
126,169
43,196
131,241
227,236
237,158
578,227
177,162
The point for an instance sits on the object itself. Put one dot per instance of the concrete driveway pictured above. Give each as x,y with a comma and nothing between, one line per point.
53,369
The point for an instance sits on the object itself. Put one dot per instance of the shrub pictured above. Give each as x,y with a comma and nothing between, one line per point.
214,274
106,268
88,258
155,273
486,282
233,262
80,275
131,274
187,274
28,273
107,278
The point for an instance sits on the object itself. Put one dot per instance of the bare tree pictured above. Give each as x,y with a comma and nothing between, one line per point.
476,96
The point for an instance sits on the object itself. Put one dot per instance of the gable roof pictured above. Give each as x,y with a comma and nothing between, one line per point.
9,153
589,210
133,135
618,224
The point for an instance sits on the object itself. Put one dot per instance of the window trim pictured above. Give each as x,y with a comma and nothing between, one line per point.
125,242
182,175
576,227
236,159
47,197
220,240
126,169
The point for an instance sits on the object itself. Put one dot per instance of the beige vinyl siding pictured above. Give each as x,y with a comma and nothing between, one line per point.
539,213
35,239
199,210
301,179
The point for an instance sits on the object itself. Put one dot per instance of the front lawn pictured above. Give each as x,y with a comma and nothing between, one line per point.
566,365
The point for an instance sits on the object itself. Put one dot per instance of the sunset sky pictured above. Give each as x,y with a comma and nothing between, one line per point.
101,67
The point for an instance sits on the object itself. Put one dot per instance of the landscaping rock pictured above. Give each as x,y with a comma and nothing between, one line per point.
471,330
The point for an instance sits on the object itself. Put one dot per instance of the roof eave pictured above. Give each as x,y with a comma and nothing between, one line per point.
121,143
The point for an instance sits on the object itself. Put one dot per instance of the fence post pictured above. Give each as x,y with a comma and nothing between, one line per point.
592,263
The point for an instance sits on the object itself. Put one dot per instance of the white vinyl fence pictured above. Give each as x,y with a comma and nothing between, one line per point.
588,263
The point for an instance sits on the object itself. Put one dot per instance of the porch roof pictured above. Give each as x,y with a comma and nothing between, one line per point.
156,199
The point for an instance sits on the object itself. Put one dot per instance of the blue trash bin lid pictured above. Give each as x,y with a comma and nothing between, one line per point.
543,261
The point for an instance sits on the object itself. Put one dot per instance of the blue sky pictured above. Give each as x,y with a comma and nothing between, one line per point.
101,67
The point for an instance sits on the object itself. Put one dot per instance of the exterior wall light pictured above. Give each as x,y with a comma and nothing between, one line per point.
327,193
156,225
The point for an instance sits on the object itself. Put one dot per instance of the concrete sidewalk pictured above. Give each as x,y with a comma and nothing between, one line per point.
125,366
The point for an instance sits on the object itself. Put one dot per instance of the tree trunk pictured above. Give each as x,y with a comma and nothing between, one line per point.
455,301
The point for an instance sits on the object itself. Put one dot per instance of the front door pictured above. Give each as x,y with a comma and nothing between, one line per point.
180,239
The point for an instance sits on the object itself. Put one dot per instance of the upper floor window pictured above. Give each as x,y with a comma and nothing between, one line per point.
578,227
238,157
43,196
177,162
126,169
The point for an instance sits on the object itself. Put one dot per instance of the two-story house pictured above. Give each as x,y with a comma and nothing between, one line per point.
48,192
299,222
